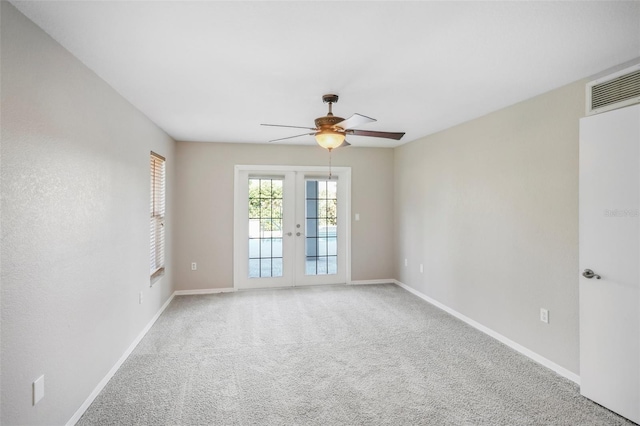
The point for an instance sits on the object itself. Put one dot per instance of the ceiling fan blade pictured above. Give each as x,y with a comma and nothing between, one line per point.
344,144
291,137
355,120
388,135
293,127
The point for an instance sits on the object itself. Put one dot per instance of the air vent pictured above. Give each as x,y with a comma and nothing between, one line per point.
614,91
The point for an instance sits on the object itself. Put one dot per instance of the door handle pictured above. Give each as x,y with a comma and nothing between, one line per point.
588,273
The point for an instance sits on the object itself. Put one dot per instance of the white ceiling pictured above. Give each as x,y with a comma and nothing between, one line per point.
213,71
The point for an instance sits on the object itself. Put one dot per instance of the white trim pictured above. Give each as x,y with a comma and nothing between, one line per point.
273,168
204,291
513,345
76,416
367,282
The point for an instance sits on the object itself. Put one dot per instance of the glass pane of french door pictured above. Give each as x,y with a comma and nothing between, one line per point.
265,227
321,227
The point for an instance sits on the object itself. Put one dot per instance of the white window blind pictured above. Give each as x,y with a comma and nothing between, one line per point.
157,213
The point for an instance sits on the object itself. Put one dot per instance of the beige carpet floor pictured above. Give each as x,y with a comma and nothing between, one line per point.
335,355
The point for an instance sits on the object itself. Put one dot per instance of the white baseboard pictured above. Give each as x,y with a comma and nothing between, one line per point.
204,291
527,352
366,282
76,416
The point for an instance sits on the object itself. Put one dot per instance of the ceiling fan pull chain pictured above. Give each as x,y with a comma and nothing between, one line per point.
330,163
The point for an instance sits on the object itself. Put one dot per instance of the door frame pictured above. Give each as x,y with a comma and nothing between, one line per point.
240,245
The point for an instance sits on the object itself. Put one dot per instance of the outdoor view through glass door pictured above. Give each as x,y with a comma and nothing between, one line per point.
265,227
291,226
321,245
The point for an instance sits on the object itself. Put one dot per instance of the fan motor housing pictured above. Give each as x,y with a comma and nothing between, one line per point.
327,121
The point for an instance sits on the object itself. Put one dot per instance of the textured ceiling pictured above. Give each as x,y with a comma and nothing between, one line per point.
213,71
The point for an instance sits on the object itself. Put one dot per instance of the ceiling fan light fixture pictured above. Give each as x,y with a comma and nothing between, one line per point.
329,139
331,130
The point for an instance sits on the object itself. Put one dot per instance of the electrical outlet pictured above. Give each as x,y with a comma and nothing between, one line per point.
406,262
544,315
38,389
357,217
194,266
421,268
140,297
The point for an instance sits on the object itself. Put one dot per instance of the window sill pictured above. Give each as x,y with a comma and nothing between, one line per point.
157,276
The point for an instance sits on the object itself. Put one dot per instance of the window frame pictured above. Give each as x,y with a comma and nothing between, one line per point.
157,216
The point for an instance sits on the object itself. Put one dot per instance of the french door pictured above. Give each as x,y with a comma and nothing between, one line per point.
291,226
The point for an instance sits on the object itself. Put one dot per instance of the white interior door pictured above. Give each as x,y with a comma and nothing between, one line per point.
291,226
609,247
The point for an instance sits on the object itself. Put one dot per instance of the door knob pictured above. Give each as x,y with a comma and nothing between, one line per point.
289,233
588,273
298,234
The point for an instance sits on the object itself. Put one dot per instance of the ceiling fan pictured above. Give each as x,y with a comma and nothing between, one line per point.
331,131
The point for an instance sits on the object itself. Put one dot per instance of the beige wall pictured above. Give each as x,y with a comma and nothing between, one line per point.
490,207
75,225
204,206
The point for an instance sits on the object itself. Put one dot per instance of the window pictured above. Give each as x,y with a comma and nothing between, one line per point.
157,214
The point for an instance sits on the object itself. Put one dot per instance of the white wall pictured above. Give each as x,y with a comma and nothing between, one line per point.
75,227
204,206
490,207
